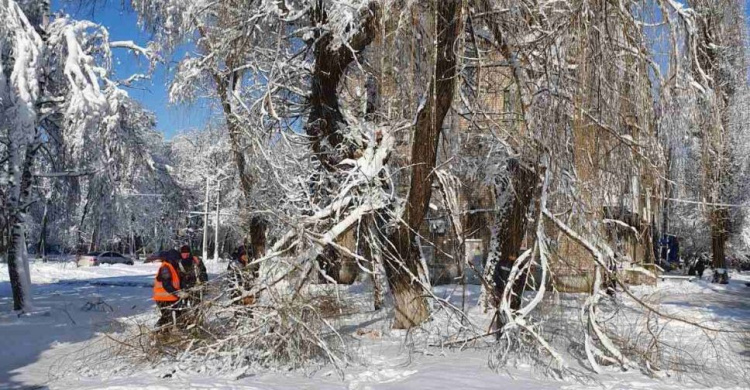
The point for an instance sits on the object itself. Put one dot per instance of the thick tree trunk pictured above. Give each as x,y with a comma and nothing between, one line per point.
14,252
42,245
326,124
257,224
326,121
512,228
719,221
225,88
258,236
668,191
94,237
717,27
18,269
16,284
23,143
402,270
18,265
402,261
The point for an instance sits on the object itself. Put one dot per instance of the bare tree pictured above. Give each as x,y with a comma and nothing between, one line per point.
402,260
57,88
719,52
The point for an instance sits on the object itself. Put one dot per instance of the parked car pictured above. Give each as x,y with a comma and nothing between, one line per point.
96,258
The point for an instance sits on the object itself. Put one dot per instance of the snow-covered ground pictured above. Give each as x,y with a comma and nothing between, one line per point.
76,308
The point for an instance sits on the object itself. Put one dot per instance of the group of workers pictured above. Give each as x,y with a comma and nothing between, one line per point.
178,282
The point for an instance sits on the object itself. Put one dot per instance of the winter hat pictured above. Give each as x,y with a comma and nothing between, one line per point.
185,249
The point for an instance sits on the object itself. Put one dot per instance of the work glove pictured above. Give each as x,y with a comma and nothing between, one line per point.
182,294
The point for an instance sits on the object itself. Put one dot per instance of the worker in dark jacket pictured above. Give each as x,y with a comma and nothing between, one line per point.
192,273
241,276
167,289
193,270
700,267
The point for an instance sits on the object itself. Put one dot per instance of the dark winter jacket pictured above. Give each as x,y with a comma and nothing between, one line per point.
191,271
201,272
700,267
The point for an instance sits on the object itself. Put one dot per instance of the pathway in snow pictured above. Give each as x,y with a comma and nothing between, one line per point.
72,306
76,304
728,302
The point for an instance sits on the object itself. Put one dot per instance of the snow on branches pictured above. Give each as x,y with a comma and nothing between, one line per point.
21,50
57,96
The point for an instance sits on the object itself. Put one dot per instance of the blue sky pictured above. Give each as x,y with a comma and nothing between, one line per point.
123,25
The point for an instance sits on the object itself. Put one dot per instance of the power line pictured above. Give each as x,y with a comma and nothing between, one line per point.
689,201
204,213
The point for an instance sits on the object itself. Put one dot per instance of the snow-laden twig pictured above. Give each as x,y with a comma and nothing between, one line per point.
590,305
521,266
147,52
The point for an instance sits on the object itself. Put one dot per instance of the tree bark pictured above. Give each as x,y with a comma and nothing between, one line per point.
719,223
18,279
24,139
42,245
512,228
258,236
225,88
402,260
668,191
719,29
325,122
18,266
94,236
15,222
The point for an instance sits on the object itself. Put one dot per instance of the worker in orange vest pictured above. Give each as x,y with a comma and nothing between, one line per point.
167,292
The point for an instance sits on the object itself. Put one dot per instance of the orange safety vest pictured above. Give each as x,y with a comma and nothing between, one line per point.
161,294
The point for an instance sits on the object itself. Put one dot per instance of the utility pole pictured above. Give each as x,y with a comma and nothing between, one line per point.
218,209
132,235
218,215
205,224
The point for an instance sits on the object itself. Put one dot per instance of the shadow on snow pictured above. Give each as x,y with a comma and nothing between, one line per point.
66,312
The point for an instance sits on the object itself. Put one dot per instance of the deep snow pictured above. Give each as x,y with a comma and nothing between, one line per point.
76,307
